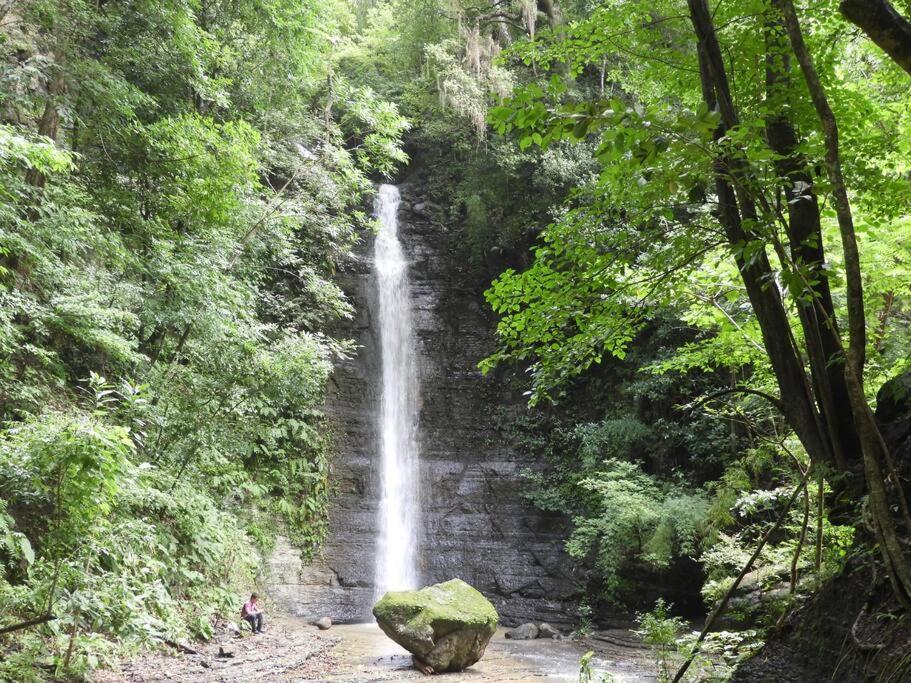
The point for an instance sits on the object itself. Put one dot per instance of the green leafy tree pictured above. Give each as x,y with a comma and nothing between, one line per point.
178,185
698,167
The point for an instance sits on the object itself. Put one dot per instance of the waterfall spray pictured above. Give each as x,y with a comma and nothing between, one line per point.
396,567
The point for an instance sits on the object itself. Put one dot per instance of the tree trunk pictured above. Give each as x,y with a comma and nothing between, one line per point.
27,624
876,457
884,26
798,404
814,304
49,123
552,10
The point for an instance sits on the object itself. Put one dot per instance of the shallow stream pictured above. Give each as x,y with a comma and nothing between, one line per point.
366,654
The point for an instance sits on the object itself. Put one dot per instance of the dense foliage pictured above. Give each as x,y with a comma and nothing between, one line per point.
691,219
178,183
677,162
624,144
752,184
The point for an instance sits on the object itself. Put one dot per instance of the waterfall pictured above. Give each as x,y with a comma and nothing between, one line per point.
396,566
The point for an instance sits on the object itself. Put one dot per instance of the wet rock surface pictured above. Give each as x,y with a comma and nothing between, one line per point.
545,630
523,632
476,524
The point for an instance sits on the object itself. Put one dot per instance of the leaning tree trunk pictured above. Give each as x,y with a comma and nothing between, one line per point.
49,124
735,206
884,26
554,14
875,454
815,308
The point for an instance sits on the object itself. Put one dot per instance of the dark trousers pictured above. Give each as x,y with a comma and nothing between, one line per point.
255,621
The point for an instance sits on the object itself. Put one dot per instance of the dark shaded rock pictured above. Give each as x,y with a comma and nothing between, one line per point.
523,632
677,583
757,589
893,400
743,608
893,413
426,209
323,624
446,626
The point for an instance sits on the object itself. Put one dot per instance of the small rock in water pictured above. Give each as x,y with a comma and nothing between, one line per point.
545,630
523,632
323,624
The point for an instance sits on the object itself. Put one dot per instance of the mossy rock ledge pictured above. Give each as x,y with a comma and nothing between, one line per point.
447,625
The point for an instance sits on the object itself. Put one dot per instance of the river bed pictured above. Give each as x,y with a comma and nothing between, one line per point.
366,654
292,650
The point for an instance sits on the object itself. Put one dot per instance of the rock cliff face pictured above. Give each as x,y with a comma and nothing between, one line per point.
476,525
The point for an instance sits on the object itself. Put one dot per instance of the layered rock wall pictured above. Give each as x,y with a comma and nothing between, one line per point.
476,525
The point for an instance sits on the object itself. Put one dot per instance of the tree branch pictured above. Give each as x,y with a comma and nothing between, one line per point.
27,624
743,390
884,26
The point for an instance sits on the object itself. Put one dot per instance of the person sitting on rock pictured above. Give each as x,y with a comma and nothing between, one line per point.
252,614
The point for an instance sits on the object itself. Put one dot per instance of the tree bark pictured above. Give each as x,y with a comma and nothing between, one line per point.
735,205
876,458
49,124
552,9
884,26
27,624
804,230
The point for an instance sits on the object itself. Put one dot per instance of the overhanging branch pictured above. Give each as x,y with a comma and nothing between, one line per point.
884,26
776,402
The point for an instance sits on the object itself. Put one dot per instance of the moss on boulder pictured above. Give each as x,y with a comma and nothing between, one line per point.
446,626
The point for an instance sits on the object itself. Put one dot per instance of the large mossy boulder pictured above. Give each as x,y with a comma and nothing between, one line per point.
447,626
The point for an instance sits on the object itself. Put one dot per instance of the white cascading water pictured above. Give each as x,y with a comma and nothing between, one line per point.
396,567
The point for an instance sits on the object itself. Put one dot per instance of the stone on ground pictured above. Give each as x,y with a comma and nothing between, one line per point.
323,624
545,630
523,632
447,625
